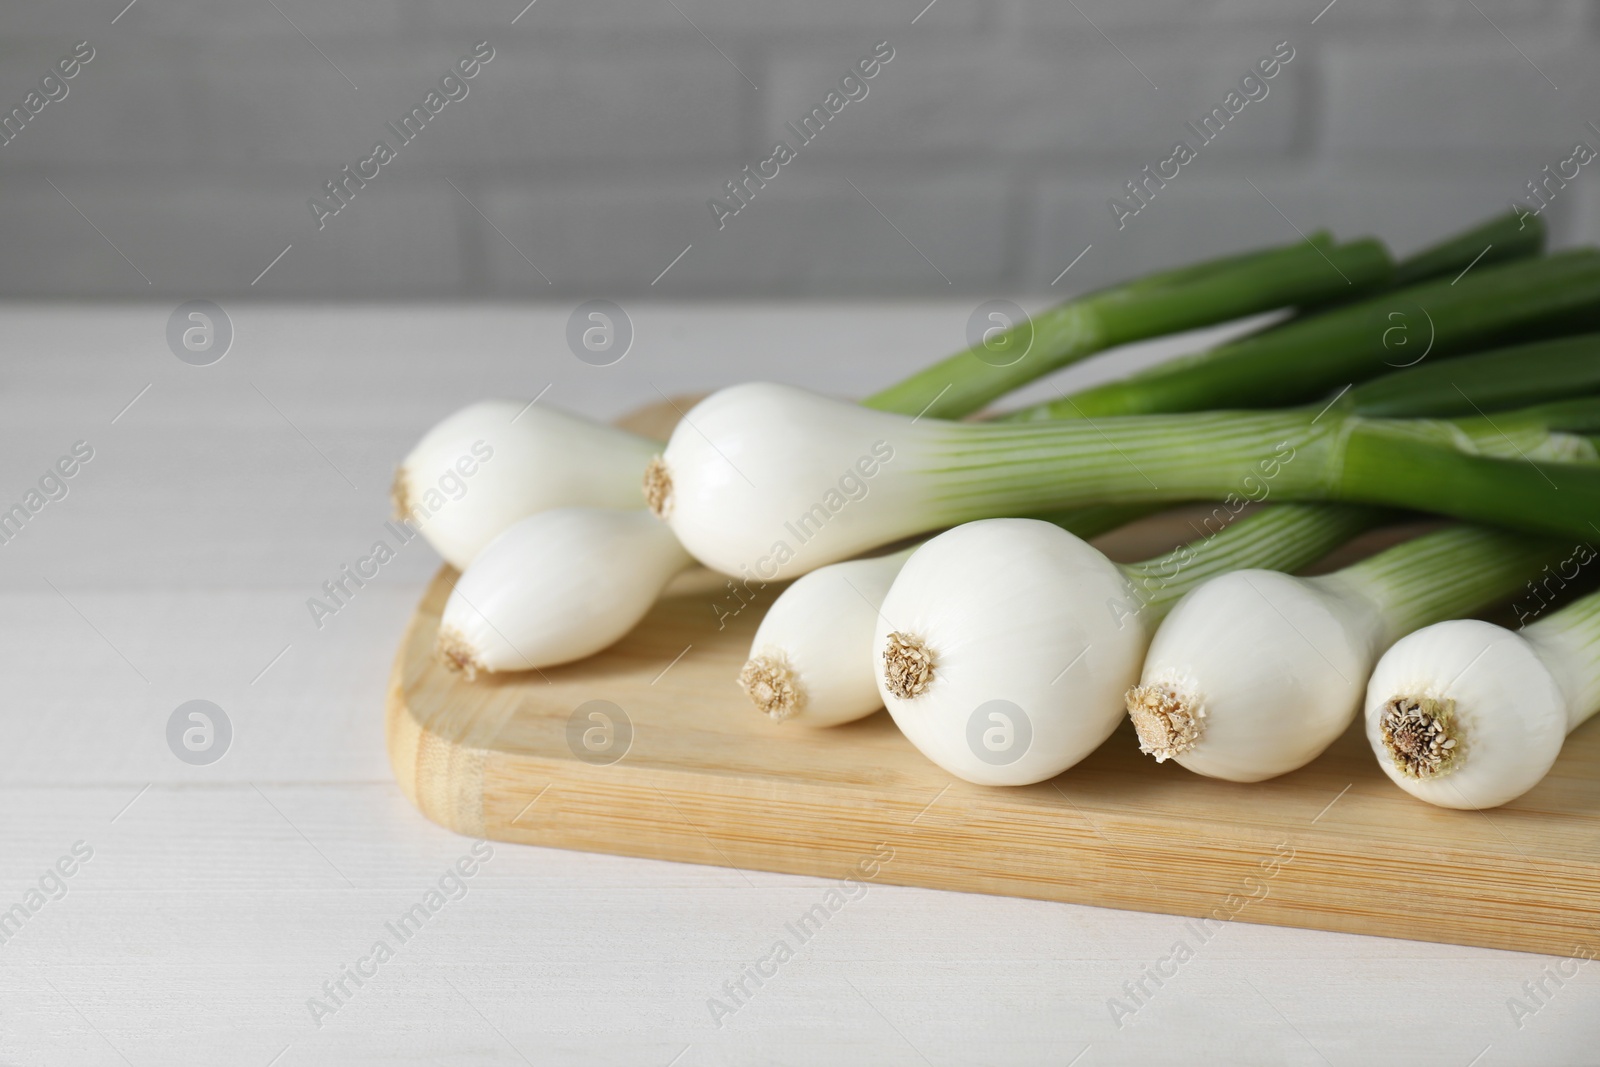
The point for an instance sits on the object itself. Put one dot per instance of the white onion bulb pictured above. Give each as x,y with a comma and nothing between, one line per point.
812,660
557,586
1466,714
774,480
1255,673
1004,662
492,463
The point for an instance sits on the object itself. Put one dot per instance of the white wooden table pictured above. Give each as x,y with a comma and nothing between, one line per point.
220,898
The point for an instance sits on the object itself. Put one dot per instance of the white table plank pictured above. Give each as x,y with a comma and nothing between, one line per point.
208,916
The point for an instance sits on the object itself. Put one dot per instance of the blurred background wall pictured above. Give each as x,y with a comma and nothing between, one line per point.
183,157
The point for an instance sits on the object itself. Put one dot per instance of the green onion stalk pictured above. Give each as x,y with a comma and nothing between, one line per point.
1311,275
1512,303
1466,390
1203,294
1306,273
1500,379
1185,298
1506,237
1512,235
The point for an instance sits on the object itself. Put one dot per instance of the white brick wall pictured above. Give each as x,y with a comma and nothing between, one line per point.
1469,97
212,236
1067,99
593,140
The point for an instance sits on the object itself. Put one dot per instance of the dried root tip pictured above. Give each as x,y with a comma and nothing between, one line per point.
1416,732
1168,722
907,665
457,655
400,495
658,487
771,686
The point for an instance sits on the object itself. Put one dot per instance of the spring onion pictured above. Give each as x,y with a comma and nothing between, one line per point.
773,480
1466,714
527,457
527,601
811,656
1255,673
1017,625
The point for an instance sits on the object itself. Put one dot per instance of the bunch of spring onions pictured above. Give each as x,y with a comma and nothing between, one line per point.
536,601
806,662
1006,647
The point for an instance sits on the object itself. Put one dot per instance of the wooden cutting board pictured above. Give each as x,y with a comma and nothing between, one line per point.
679,766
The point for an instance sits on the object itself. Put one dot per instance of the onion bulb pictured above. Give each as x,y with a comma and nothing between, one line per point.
811,659
555,587
1000,660
1254,674
1466,714
492,463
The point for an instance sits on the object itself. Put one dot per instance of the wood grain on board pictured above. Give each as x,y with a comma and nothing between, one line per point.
696,775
